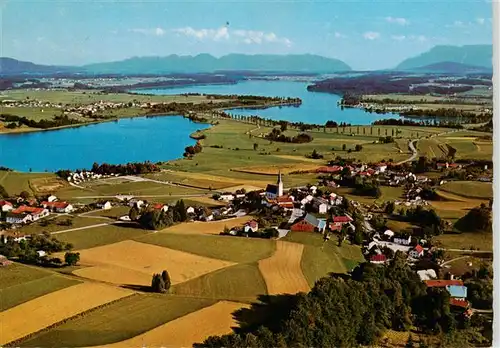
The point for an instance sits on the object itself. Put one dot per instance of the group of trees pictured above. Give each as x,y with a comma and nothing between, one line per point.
161,283
429,220
132,168
155,219
27,250
348,311
334,124
421,123
477,219
190,151
58,121
315,155
456,114
276,135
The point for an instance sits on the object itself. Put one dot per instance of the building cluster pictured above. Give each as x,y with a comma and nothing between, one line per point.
21,211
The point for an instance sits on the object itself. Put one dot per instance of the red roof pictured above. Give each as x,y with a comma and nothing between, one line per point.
442,283
441,164
158,206
378,258
286,204
419,248
4,202
284,199
26,209
453,165
344,218
332,169
334,227
252,224
59,205
459,302
364,173
370,171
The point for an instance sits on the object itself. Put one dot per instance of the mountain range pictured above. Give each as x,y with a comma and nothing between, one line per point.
451,59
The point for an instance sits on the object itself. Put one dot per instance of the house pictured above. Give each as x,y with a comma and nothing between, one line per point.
41,253
13,218
417,252
441,165
190,210
35,213
320,205
58,207
441,283
329,169
457,291
381,167
339,221
306,200
274,191
427,274
4,261
51,198
309,223
378,259
402,239
105,205
160,207
286,202
6,206
136,203
226,197
251,226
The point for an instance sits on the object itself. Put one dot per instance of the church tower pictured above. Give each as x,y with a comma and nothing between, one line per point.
280,184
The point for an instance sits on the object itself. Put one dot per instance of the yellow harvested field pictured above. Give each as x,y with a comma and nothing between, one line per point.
461,138
189,329
37,314
207,200
282,272
213,227
248,188
134,263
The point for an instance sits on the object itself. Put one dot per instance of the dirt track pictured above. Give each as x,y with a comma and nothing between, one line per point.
282,271
189,329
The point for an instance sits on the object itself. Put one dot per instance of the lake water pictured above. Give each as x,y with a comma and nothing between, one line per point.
138,139
161,138
316,107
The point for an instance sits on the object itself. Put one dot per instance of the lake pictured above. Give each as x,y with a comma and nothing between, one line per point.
159,138
316,107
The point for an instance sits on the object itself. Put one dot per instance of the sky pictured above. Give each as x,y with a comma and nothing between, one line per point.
367,35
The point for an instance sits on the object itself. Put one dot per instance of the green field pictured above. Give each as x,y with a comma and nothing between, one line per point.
481,240
321,258
56,223
240,283
235,249
471,189
103,235
112,213
21,283
15,182
119,321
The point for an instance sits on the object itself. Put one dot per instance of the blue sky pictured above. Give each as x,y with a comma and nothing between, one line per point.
364,34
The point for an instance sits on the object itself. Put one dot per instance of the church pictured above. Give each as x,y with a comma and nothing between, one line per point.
275,191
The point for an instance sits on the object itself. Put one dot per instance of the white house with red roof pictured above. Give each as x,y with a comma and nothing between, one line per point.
251,226
6,206
378,259
25,214
58,207
417,252
339,221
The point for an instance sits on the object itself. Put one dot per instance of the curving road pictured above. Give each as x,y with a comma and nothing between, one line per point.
412,145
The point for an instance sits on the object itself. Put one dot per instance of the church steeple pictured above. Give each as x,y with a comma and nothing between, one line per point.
280,184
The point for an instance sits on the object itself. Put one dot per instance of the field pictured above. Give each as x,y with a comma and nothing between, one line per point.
228,248
466,240
102,235
112,213
54,307
189,329
282,271
23,283
472,189
240,283
58,223
212,227
14,182
119,321
133,263
320,258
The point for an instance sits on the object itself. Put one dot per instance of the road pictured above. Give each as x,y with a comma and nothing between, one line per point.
91,226
412,145
146,196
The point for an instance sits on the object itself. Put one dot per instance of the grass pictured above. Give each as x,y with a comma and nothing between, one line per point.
388,194
229,248
112,213
472,189
240,283
320,258
481,240
20,293
108,187
103,235
17,274
15,182
195,182
57,224
119,321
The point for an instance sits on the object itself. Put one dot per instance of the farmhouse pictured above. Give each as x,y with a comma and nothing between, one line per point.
51,198
309,223
339,221
58,207
6,206
320,205
417,252
160,207
104,205
401,239
251,226
13,218
25,214
227,197
378,259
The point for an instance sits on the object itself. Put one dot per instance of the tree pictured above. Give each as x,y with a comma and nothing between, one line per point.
166,279
389,208
3,192
344,146
180,213
71,258
157,283
358,147
24,195
255,146
133,213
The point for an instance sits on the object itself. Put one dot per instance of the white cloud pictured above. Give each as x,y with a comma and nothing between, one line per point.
397,20
339,35
371,35
419,38
245,36
480,21
151,32
398,37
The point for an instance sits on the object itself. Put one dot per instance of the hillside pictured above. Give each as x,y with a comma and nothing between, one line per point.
10,66
232,62
452,68
475,55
